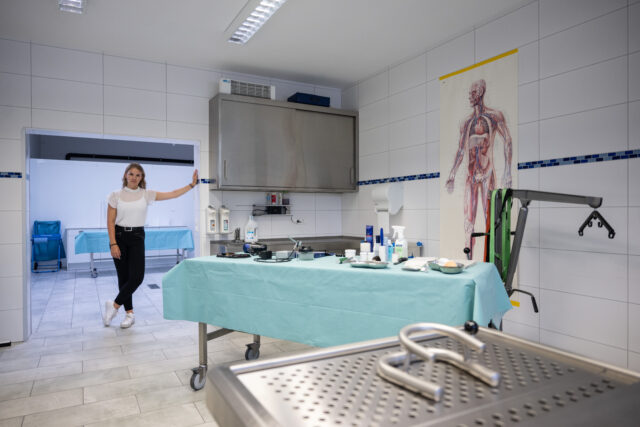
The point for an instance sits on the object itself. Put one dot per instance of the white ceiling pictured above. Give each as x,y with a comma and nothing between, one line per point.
326,42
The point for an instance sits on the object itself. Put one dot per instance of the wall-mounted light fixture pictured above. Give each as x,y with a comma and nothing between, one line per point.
73,6
254,20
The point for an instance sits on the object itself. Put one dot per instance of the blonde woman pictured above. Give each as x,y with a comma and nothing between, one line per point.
126,215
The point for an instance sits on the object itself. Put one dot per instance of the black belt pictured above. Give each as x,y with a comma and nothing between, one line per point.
119,228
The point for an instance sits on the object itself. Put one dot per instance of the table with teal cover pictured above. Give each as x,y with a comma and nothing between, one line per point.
97,241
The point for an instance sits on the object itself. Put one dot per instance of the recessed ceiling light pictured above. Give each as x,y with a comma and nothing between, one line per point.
255,20
73,6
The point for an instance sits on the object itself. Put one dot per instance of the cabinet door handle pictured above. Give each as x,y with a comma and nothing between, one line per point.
224,169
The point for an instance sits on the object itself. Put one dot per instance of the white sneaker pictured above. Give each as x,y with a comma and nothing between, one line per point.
128,321
109,313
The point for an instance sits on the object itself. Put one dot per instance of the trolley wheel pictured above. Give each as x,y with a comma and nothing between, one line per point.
35,265
197,379
253,351
94,273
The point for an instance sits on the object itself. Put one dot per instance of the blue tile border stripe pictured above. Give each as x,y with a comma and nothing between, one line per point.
10,174
588,158
574,160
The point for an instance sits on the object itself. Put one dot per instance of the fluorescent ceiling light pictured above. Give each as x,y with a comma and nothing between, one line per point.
255,20
73,6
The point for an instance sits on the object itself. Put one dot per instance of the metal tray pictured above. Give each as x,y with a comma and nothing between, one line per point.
369,264
339,386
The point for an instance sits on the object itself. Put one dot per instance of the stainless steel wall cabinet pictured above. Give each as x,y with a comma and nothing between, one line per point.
259,144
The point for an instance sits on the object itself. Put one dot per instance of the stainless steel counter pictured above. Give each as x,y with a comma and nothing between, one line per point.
323,243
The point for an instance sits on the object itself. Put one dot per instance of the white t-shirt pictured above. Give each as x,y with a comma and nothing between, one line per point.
131,205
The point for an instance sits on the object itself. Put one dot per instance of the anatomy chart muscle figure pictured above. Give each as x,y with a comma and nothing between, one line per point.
477,136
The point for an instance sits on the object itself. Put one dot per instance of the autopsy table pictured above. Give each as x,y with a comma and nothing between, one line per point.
321,302
156,238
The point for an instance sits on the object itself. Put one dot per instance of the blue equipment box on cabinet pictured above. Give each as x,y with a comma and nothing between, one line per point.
308,98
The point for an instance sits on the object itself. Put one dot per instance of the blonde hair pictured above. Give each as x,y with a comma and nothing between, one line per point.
143,183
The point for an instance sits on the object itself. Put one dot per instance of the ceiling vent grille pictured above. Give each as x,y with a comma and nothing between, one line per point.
247,89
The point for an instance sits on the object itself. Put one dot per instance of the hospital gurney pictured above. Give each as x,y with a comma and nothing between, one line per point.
322,303
97,241
538,386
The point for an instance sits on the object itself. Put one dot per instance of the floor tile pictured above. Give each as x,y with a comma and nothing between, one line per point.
45,402
169,365
130,387
172,416
124,360
99,353
40,373
155,400
84,414
80,380
11,422
15,391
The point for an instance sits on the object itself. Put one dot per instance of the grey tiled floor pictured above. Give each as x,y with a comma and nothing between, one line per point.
73,371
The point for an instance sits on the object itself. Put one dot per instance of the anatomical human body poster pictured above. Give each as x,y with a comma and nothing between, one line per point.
478,148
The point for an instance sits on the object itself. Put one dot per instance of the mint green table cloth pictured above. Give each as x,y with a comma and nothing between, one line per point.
323,303
155,238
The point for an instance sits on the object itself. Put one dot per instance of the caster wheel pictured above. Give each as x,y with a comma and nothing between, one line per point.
197,379
35,265
253,352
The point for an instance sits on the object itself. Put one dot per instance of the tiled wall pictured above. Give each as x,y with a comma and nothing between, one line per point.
60,89
579,94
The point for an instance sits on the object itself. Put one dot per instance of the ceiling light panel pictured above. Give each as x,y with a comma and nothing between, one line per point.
73,6
255,20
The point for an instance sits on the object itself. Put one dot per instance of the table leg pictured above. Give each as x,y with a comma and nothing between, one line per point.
200,373
92,269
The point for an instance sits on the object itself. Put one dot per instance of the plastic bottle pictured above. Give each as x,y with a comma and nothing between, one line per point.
223,224
402,248
251,230
212,220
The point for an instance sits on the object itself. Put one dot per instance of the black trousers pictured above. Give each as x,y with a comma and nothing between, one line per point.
130,266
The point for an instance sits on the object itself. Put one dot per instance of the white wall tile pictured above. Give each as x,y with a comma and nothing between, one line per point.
373,89
588,273
10,293
334,95
634,332
283,227
634,361
604,179
302,201
408,161
451,56
11,228
634,230
634,279
192,81
557,15
329,223
588,132
408,103
135,103
13,120
350,98
67,121
415,222
51,94
433,226
408,74
328,202
408,132
375,114
134,73
433,157
634,80
190,109
634,30
528,63
528,179
433,95
508,32
528,142
599,320
374,140
15,56
527,332
11,325
242,200
134,127
15,90
13,156
415,195
634,125
11,193
584,89
190,131
584,347
531,236
433,193
67,64
559,230
634,179
12,259
433,248
529,267
528,102
594,41
433,126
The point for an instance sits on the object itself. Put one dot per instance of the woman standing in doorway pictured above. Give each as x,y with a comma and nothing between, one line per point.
126,215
